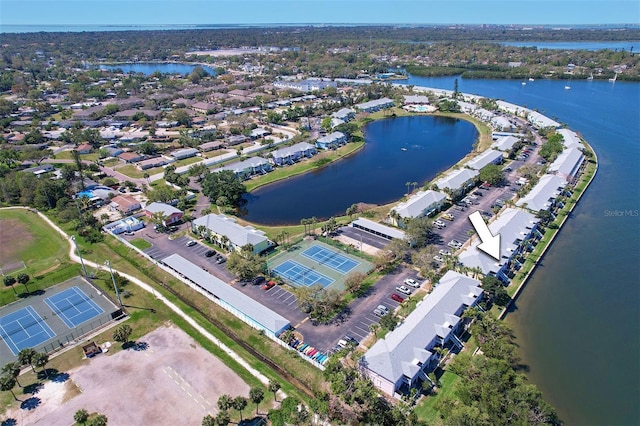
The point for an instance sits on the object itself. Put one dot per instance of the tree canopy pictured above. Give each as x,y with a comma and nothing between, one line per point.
223,184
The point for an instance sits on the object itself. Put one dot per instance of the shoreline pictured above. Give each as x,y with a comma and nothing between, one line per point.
505,311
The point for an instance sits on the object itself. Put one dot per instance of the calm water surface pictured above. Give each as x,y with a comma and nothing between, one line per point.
576,45
148,68
398,150
577,321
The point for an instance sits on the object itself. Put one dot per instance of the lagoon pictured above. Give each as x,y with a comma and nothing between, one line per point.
575,45
397,150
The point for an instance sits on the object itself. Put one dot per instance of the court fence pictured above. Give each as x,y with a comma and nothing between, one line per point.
76,335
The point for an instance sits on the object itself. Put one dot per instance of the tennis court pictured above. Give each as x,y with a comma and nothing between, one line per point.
300,274
24,328
73,306
330,258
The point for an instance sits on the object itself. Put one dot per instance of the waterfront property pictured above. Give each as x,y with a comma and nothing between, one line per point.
505,143
249,167
378,229
344,114
292,154
489,156
543,195
518,234
170,214
242,306
570,139
457,182
403,358
541,121
331,141
224,231
568,164
423,203
375,105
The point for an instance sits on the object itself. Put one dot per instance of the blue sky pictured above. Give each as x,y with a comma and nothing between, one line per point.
150,12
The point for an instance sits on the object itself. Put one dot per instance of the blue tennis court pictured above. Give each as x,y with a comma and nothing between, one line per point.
301,275
24,328
73,306
330,258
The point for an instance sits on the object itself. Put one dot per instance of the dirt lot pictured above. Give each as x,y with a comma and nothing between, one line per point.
14,237
171,381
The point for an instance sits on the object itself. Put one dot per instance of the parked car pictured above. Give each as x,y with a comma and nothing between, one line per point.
191,243
485,185
403,289
412,283
508,169
258,280
268,285
486,214
351,339
440,224
210,253
454,244
477,193
220,260
129,233
448,216
379,313
438,259
397,297
445,252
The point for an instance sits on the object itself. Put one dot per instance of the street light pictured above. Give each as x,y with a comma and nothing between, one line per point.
84,270
113,279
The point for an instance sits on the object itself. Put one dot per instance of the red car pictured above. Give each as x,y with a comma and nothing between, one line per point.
397,298
268,285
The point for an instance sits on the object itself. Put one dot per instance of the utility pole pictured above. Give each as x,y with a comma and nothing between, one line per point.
84,270
113,279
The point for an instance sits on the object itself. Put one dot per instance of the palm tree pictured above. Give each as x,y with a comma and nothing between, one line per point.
239,403
408,185
40,359
25,357
223,418
256,395
274,387
224,402
374,327
12,369
224,242
208,420
7,383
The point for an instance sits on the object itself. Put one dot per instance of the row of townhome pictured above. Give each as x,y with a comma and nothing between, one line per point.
423,203
292,154
518,234
544,194
227,233
375,105
403,358
505,143
331,141
457,182
246,168
490,156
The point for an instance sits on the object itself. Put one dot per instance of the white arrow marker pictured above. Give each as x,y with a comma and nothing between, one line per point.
490,244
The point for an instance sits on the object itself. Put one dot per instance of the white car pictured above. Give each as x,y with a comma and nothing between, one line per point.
445,252
403,289
412,283
191,243
454,244
439,223
438,259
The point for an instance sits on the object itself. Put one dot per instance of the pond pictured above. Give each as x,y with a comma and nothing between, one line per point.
148,68
397,150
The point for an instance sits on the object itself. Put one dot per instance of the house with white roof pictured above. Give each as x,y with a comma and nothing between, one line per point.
568,164
570,139
227,233
490,156
457,182
505,143
403,358
501,122
332,140
543,195
291,154
375,105
541,121
518,231
423,203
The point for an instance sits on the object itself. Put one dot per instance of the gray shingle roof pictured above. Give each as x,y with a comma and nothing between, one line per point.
167,209
224,225
513,225
290,150
541,196
259,313
421,201
400,351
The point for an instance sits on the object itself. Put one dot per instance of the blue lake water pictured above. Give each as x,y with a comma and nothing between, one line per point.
398,150
578,320
148,68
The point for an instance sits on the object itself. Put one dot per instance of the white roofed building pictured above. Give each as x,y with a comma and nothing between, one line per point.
227,233
404,357
505,143
423,203
541,121
568,164
490,156
570,139
375,105
543,195
518,230
457,182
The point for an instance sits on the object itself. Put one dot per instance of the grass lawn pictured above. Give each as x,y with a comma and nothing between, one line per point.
134,172
25,237
425,410
110,162
140,243
66,155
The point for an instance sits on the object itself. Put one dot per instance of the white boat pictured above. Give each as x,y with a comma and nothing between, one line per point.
531,79
590,78
567,87
524,83
613,80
